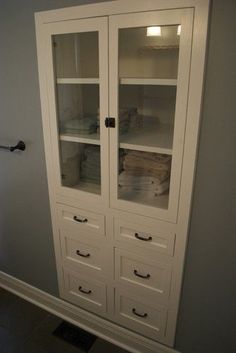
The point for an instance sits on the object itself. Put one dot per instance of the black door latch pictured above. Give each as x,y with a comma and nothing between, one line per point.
110,122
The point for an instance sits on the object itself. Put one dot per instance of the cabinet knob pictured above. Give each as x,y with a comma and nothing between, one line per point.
84,220
142,238
81,254
84,291
142,276
137,314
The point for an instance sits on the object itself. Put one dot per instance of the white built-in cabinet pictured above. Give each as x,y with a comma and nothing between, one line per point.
121,90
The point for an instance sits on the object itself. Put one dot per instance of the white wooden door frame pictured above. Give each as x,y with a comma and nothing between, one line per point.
184,17
79,26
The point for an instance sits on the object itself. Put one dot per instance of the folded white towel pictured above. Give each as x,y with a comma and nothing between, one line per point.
131,179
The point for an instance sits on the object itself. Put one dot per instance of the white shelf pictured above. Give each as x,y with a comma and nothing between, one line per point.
157,139
88,187
92,139
75,81
160,201
148,81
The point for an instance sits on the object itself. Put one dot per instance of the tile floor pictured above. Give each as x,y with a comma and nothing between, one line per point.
25,328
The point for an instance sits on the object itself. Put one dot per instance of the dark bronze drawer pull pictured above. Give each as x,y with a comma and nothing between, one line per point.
142,276
84,291
83,255
137,314
80,220
142,238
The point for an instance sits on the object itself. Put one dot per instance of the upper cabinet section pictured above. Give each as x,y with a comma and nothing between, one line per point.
79,98
149,73
149,53
76,56
135,164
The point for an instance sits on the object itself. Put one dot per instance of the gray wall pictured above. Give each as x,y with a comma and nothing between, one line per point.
207,307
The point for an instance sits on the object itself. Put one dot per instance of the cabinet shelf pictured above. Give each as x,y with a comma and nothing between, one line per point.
148,81
158,139
160,201
92,139
88,187
76,81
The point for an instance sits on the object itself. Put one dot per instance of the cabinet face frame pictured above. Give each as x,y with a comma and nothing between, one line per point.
130,340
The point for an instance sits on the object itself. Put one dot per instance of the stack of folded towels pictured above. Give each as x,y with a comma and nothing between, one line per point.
90,170
81,125
145,174
126,118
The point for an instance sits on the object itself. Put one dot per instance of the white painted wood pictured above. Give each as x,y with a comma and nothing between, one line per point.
148,81
40,38
149,277
94,324
86,292
83,253
81,220
76,81
118,7
189,155
137,237
92,139
169,220
129,311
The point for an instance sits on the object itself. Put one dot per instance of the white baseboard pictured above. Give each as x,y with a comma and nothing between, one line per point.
91,323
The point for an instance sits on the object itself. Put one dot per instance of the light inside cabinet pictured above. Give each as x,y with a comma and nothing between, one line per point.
154,31
179,30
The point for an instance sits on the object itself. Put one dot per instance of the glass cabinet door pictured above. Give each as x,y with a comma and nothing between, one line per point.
150,90
80,89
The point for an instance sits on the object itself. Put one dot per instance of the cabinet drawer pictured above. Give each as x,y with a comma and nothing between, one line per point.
138,316
144,274
145,237
81,220
87,293
80,254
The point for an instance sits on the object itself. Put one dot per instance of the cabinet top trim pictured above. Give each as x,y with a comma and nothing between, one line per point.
116,7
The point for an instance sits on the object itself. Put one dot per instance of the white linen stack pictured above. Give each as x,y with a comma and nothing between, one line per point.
145,174
90,170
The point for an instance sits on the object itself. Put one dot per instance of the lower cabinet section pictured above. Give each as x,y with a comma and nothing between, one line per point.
113,276
145,318
81,253
129,309
85,292
143,274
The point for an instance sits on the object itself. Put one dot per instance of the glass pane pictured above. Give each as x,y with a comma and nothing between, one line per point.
149,120
77,91
144,177
148,70
80,166
142,55
76,55
78,107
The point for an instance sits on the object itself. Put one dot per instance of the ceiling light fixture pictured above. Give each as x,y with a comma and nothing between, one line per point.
154,31
178,30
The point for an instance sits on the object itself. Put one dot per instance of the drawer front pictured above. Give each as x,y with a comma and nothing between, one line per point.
80,254
151,238
81,220
86,293
138,316
142,273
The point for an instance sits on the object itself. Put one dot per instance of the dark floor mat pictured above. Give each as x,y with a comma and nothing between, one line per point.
75,335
